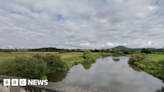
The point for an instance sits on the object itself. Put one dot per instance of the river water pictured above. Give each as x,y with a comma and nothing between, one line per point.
109,73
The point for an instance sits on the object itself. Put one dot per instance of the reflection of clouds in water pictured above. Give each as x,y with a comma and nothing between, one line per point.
109,75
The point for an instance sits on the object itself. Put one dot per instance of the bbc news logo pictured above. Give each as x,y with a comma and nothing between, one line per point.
23,82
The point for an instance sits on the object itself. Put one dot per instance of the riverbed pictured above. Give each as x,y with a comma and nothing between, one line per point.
109,73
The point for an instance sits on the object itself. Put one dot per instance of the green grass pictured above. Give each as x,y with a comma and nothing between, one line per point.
57,62
155,56
6,55
152,64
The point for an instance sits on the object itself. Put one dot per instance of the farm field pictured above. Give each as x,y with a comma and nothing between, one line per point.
156,56
7,55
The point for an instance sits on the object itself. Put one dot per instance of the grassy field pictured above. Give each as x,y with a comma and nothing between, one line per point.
6,55
155,56
151,63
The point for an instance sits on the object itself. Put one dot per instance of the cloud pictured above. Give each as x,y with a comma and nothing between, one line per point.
81,24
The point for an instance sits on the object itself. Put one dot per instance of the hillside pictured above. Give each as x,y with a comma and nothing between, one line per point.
126,48
122,48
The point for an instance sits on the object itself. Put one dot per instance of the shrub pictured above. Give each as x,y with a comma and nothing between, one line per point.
136,63
87,52
114,54
29,67
121,54
104,55
160,62
87,55
149,60
142,66
118,52
54,62
136,58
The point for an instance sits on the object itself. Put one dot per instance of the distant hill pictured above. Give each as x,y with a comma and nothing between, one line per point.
122,48
126,48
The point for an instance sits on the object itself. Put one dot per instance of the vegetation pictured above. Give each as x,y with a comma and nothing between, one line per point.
155,56
54,62
160,90
106,54
136,58
152,66
29,67
51,49
127,51
117,52
147,51
87,55
43,63
114,54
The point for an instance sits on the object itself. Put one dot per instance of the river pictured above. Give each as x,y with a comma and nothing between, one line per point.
109,73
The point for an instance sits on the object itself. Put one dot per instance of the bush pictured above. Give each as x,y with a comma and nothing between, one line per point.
88,55
54,62
87,52
142,66
136,58
149,60
104,55
29,67
118,52
136,63
160,62
121,54
114,54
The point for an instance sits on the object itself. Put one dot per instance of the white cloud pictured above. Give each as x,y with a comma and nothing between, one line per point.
82,24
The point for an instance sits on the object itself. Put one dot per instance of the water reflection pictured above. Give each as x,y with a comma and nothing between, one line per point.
135,68
160,90
87,65
116,59
106,74
58,76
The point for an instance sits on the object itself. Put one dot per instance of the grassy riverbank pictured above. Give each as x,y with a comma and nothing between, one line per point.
151,63
38,65
8,55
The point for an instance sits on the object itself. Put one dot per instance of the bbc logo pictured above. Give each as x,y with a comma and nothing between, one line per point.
24,82
14,82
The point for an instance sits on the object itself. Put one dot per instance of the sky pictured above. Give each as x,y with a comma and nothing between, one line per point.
81,24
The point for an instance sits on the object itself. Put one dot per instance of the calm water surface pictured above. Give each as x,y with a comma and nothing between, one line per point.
109,73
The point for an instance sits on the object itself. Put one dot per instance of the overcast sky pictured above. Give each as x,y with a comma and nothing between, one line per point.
84,24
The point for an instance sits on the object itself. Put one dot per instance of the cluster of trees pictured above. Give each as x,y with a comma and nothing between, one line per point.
147,51
158,50
117,52
52,49
7,50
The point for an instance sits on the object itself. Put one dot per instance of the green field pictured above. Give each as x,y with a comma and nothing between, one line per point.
6,55
151,63
156,56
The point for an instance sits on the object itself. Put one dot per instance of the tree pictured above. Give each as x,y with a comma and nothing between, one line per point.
116,50
87,52
147,51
